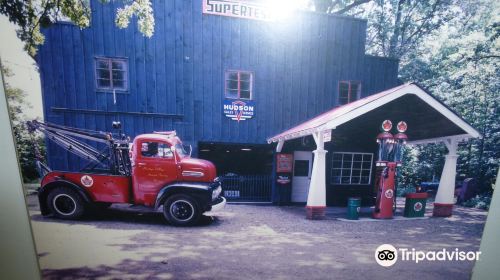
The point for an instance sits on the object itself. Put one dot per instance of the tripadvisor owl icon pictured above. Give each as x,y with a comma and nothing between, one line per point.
386,255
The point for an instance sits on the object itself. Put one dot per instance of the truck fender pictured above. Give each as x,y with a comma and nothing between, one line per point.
201,189
44,191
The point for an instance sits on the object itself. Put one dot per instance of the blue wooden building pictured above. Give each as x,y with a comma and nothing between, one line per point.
223,83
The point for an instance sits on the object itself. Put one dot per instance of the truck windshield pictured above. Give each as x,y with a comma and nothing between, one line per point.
181,151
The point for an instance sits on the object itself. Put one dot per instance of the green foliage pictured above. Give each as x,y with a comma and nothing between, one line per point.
16,100
30,16
337,6
395,27
144,12
482,201
461,68
421,164
452,48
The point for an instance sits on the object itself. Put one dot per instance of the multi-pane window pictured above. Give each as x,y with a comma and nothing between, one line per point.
239,84
351,168
111,73
349,91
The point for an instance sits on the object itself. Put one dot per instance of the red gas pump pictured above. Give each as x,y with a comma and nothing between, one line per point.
389,157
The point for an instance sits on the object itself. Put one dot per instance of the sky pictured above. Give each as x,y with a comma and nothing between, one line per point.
24,68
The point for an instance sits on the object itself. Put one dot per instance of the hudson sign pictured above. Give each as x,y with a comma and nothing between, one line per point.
240,9
238,110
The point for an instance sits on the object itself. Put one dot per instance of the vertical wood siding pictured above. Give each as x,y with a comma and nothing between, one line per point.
178,74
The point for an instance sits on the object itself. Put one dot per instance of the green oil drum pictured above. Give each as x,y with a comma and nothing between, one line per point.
353,207
415,205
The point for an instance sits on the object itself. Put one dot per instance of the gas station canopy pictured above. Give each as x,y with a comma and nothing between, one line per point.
429,119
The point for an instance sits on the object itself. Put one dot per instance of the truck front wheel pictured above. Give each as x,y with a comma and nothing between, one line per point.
65,204
181,210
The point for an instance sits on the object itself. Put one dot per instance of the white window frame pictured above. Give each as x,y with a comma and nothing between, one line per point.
342,168
110,61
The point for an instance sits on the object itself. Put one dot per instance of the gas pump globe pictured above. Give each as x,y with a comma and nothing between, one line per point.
389,157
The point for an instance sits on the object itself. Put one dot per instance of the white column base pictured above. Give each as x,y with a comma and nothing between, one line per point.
317,187
445,197
316,198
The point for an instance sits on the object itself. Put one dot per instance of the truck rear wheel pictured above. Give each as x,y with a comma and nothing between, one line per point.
181,210
66,204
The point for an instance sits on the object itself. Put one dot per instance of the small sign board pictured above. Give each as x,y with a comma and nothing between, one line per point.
283,179
232,194
284,163
238,110
327,135
240,9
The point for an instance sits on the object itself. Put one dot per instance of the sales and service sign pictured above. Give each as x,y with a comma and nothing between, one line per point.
241,9
238,110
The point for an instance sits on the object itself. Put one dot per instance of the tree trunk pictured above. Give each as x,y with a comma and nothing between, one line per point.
393,43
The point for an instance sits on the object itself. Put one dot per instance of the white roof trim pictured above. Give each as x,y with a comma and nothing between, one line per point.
363,109
410,89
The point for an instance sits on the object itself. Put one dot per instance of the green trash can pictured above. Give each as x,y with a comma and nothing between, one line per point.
415,205
353,207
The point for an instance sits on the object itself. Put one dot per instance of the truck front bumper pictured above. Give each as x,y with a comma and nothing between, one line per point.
217,205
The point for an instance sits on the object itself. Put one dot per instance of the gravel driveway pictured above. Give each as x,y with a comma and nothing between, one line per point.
248,242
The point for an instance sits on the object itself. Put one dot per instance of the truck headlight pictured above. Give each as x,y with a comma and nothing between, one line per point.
216,192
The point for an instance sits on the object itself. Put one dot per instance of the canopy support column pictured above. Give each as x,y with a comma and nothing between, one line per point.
316,199
443,204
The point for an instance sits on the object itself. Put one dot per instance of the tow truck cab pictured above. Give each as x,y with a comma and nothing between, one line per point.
159,160
162,174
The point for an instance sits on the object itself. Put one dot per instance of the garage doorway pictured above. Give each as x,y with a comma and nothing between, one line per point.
245,169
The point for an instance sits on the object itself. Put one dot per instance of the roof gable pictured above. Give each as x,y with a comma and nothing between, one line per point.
340,115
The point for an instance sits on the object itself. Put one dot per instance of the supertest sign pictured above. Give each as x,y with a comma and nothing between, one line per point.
238,110
240,9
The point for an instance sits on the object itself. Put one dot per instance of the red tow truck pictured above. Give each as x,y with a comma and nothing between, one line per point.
154,171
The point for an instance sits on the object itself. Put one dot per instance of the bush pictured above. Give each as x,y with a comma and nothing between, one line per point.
481,201
401,191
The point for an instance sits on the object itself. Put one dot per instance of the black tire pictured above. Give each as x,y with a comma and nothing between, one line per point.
181,210
65,203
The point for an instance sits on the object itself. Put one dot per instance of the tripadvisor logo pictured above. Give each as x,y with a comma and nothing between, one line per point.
386,255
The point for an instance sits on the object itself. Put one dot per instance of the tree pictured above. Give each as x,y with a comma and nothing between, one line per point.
337,6
460,65
452,48
31,15
395,27
16,99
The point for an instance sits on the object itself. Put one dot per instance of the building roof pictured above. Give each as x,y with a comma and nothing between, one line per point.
343,114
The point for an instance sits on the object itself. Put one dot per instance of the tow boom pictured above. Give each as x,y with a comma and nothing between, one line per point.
115,157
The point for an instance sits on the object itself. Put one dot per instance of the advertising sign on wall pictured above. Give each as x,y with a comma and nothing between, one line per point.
284,163
241,9
238,110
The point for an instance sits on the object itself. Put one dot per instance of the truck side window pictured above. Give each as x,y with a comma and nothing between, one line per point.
156,150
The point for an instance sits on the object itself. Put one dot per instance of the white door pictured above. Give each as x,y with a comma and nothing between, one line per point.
302,167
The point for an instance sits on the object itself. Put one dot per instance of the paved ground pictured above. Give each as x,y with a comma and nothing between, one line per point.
248,242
